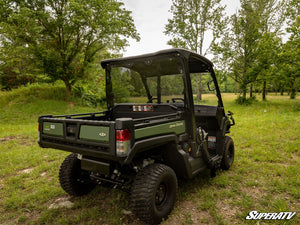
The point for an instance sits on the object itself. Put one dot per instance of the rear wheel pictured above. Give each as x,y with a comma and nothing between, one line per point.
228,154
154,193
73,179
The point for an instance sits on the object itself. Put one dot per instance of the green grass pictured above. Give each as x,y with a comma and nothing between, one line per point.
264,177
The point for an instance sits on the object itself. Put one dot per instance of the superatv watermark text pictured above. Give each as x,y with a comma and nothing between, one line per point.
254,215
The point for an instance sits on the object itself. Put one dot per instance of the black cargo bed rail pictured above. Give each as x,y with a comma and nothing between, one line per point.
153,120
69,116
77,121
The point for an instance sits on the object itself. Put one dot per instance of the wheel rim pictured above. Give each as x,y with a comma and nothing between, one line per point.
83,178
160,195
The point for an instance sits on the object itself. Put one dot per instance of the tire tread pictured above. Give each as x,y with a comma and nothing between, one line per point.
142,190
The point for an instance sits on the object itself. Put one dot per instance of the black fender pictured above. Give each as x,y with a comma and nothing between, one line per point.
149,143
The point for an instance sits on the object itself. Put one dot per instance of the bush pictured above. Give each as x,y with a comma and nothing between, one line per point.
8,82
91,94
245,101
89,99
34,91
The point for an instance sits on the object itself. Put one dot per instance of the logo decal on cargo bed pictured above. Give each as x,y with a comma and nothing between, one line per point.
49,127
102,134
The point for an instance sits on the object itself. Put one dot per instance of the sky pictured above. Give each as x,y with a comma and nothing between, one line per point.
150,18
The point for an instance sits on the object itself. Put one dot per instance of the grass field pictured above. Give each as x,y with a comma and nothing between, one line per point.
265,176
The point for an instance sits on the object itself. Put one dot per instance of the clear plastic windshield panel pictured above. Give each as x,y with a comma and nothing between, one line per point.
157,81
203,89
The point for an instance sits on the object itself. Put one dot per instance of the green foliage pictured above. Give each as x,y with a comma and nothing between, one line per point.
91,94
121,85
245,101
17,65
238,45
171,85
64,37
191,21
226,83
32,92
91,90
136,82
249,47
190,24
289,58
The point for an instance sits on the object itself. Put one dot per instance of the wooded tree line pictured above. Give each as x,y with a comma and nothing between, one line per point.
248,47
256,49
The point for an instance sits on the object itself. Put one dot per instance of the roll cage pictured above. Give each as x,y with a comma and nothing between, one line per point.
165,62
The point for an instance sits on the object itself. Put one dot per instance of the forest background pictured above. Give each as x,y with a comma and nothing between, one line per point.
255,50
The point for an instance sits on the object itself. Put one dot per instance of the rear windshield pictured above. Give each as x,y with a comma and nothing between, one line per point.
151,80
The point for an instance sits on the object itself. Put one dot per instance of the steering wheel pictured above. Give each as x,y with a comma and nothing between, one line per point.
150,100
174,99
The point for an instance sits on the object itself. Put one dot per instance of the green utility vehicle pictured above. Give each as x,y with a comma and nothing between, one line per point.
143,147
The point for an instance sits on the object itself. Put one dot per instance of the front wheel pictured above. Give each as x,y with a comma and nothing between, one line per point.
228,153
154,193
73,179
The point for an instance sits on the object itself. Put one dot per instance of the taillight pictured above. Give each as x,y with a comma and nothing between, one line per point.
122,142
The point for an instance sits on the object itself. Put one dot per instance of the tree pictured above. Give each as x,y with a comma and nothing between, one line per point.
277,62
238,46
247,46
271,17
289,58
17,66
192,19
265,65
65,35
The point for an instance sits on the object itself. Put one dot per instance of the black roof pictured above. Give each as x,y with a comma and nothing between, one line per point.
197,63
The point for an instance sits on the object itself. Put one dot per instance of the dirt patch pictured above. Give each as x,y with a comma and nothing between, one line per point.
26,171
254,192
9,138
24,140
295,157
32,216
1,184
61,203
43,174
187,212
227,211
296,205
71,104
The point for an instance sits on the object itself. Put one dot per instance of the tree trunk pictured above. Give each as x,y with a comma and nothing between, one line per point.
243,88
293,93
281,92
244,93
199,89
68,87
251,90
264,90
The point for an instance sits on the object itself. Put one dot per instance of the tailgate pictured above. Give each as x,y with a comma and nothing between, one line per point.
87,137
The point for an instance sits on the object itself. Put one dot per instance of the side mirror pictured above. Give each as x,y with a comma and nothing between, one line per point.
208,85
